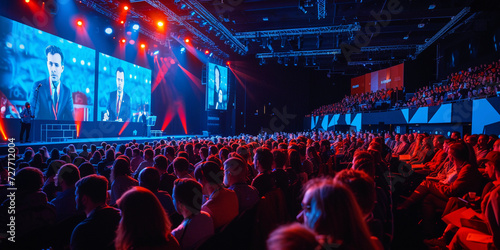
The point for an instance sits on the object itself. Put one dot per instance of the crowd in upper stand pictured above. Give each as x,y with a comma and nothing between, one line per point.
311,190
475,82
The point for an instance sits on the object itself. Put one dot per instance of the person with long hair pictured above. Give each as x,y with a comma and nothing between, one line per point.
144,223
330,210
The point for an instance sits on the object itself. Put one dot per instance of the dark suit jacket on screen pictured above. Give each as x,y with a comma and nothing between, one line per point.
45,106
124,109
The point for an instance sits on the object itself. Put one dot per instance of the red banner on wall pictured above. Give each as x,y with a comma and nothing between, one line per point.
389,78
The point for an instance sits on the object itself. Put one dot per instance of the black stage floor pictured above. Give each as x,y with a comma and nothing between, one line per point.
97,141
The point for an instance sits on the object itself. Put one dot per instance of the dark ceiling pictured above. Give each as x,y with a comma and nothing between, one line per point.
388,39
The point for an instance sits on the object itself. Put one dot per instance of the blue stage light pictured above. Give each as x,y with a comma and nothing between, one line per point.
108,31
156,52
135,26
183,50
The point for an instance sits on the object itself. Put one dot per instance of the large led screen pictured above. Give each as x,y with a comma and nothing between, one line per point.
124,91
216,98
55,75
389,78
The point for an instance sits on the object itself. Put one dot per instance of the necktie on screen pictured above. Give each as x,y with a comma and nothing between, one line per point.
55,95
118,100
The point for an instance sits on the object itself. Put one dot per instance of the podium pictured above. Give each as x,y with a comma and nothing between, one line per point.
151,121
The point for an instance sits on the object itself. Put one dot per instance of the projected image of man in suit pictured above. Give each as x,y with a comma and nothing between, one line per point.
118,108
54,100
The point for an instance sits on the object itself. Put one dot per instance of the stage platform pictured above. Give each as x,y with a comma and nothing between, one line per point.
97,141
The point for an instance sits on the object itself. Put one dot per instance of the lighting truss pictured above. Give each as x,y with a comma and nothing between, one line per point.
299,53
389,47
454,20
207,16
352,63
321,9
169,13
298,31
155,36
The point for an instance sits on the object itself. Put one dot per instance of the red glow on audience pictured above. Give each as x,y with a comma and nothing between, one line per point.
124,126
186,40
2,130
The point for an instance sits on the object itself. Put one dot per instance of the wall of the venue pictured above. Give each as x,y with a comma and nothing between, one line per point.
482,114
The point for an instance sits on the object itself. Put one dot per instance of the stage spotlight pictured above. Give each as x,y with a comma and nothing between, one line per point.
135,27
192,13
108,31
124,40
160,24
122,22
207,52
172,61
183,6
156,52
228,63
125,7
186,40
79,22
143,45
27,1
183,50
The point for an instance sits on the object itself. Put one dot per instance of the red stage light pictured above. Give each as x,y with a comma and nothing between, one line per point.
186,40
207,52
160,24
122,22
79,23
228,63
125,7
27,1
124,40
143,45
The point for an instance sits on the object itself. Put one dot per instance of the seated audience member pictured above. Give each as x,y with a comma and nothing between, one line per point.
144,223
121,181
148,162
85,152
197,225
28,154
263,163
96,157
49,187
37,162
86,169
222,203
439,155
292,237
496,146
235,176
54,155
425,152
34,217
150,178
104,166
136,159
97,231
166,179
330,209
403,146
181,168
78,161
72,152
64,202
481,149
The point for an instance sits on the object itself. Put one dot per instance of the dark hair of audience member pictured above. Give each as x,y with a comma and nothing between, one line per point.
110,155
294,161
213,158
264,157
149,178
86,169
69,173
188,192
292,237
148,154
335,214
29,180
96,157
144,222
54,154
121,167
280,158
161,163
363,161
93,186
361,185
210,171
181,164
66,158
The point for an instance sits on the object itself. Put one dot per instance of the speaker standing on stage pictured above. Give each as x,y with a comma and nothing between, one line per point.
26,122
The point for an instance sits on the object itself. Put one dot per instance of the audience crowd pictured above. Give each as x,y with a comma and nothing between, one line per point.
310,190
476,82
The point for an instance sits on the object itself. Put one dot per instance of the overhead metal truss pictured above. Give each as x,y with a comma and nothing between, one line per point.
321,9
454,20
353,63
389,47
169,13
299,53
155,36
214,22
298,31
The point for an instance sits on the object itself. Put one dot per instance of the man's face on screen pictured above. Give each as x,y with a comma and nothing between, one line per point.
120,81
55,67
217,80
